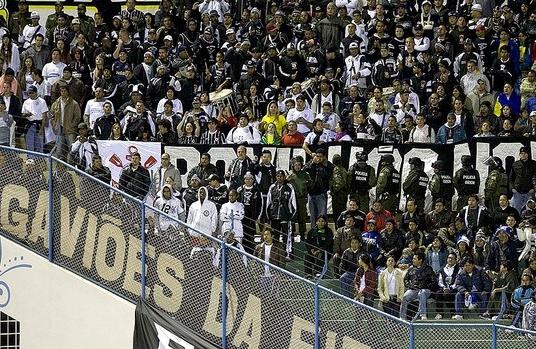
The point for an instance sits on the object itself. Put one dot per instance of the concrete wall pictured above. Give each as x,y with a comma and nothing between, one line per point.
56,308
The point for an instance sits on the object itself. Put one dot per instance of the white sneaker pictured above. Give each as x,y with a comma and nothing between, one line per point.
457,317
438,317
424,317
495,318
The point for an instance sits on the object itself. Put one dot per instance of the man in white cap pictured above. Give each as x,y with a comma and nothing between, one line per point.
357,67
31,30
476,17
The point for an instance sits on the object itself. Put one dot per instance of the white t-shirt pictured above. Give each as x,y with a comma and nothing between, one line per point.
52,72
37,107
307,114
267,251
95,110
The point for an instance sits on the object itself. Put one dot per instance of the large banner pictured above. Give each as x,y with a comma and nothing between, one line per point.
155,329
187,157
117,154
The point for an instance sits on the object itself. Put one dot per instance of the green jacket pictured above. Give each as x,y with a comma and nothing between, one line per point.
339,181
301,182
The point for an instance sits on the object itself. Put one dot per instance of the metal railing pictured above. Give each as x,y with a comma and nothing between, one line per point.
206,283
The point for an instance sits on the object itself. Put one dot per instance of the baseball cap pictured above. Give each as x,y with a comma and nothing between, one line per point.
168,37
229,31
354,45
82,125
251,64
32,88
35,14
532,113
75,21
476,7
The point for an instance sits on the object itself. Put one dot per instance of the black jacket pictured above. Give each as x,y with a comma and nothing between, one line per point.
420,278
135,183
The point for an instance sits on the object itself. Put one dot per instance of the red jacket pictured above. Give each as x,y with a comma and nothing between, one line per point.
379,217
371,281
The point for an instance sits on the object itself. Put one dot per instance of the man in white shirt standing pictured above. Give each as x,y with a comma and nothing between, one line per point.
29,32
53,71
95,108
302,115
35,110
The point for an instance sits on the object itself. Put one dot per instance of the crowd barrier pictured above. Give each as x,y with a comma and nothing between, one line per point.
229,297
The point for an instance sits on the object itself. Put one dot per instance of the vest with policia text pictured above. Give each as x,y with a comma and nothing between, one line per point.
393,187
417,189
446,187
361,178
469,184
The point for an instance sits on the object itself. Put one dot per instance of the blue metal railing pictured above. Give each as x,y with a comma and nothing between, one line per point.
411,326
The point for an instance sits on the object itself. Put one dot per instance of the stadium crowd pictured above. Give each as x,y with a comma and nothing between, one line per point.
304,74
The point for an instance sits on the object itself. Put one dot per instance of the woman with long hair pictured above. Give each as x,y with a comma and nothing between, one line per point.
98,72
117,133
270,136
391,287
207,105
226,120
366,280
25,76
9,52
273,116
188,131
65,55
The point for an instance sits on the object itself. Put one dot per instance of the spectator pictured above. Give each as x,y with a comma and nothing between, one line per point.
270,251
35,110
473,286
319,244
366,281
320,170
238,168
503,249
447,286
391,287
65,114
135,180
231,216
522,178
349,264
419,282
504,284
281,208
203,170
521,297
422,133
167,169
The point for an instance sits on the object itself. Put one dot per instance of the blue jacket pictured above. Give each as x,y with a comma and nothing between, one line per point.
495,255
521,296
479,279
458,134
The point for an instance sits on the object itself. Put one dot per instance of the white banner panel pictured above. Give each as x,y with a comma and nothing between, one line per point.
118,154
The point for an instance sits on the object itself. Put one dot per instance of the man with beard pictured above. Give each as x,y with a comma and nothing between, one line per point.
203,170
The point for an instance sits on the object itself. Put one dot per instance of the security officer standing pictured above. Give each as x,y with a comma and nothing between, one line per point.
466,182
338,187
416,183
441,185
301,181
496,183
388,185
362,179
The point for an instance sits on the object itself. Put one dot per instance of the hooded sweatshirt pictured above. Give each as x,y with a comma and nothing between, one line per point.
173,207
203,216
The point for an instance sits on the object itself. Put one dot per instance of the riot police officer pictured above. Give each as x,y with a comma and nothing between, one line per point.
441,185
362,179
416,183
388,185
466,182
496,183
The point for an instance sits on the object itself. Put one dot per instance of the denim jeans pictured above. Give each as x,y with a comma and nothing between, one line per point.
411,295
481,297
317,206
34,140
520,199
62,149
347,284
